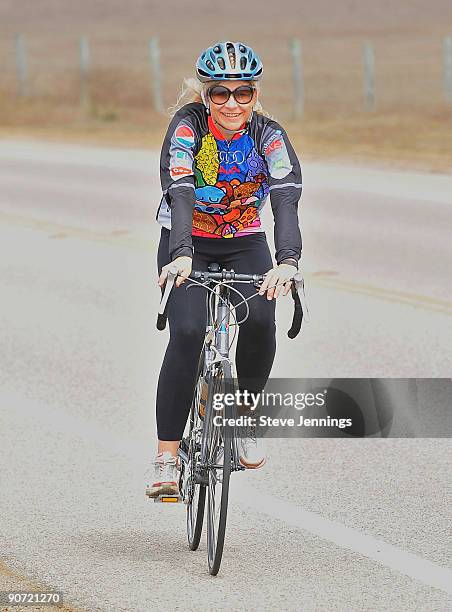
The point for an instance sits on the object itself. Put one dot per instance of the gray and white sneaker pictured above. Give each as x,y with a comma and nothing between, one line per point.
162,477
251,453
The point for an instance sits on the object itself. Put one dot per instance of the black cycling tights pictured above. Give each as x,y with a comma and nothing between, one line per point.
187,316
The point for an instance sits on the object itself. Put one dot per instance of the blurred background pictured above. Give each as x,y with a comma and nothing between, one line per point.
357,79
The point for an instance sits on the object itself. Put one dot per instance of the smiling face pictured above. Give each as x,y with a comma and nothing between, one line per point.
231,115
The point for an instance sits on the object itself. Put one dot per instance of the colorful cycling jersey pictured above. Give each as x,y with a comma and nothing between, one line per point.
216,188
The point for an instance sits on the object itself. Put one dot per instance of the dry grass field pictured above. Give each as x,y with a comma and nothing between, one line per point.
412,125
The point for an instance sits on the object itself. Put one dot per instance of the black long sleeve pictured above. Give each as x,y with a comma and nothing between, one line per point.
178,184
285,182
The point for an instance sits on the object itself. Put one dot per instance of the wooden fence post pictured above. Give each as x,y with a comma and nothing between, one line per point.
447,68
156,78
22,66
298,85
369,77
85,64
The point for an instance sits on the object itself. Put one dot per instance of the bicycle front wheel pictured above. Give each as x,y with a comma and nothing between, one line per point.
219,443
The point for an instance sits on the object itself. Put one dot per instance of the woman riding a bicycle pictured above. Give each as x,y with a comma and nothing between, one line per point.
221,158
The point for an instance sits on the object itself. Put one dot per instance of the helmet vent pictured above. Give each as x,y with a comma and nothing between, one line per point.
221,63
231,52
242,63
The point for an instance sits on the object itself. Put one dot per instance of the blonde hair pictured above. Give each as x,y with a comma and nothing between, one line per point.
192,91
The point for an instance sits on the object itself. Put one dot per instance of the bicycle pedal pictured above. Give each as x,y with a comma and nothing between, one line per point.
168,499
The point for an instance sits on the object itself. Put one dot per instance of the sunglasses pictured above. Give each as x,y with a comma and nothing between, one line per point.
220,95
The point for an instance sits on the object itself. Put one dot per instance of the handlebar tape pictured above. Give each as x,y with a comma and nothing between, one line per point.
161,321
297,315
162,315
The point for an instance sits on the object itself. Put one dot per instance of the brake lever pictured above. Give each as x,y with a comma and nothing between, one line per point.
298,284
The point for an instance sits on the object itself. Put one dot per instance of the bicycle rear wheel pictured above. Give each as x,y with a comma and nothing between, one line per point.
219,443
196,492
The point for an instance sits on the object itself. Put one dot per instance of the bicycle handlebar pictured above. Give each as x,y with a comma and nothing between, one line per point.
300,308
226,275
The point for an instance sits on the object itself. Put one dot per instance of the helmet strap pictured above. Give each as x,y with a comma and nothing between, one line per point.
206,104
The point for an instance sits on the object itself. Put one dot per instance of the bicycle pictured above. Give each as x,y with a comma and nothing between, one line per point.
209,453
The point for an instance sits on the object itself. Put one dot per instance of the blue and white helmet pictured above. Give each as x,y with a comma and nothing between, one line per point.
228,60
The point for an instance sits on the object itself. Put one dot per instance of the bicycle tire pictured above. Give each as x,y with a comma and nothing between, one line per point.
196,505
218,492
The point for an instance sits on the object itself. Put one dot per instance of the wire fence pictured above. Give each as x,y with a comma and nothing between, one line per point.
324,75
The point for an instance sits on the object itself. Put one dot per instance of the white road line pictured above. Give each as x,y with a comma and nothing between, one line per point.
406,563
395,558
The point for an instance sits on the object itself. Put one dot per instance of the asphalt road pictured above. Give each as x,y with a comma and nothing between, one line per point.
327,524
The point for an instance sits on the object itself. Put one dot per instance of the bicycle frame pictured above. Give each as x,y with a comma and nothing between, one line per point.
216,349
